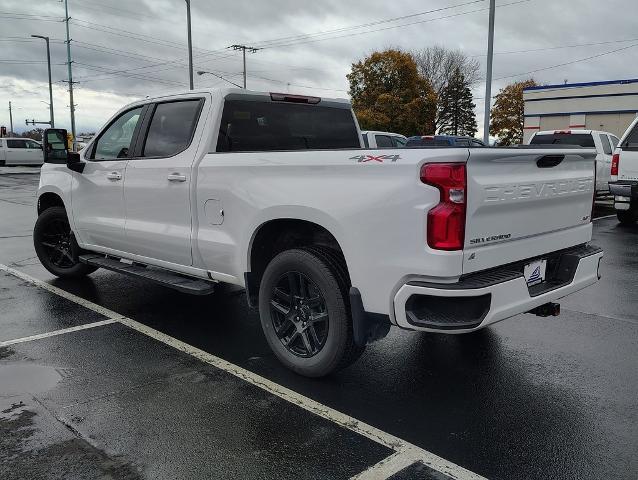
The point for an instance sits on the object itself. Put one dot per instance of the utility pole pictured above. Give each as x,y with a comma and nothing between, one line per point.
190,43
488,76
10,119
243,48
68,61
46,39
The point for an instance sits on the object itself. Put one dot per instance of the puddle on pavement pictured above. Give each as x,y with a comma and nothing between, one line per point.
16,379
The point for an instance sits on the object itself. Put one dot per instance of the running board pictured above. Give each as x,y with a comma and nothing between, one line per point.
168,279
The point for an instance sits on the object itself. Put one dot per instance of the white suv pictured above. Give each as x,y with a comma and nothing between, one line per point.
624,176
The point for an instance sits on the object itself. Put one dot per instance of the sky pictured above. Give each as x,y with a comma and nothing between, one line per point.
123,50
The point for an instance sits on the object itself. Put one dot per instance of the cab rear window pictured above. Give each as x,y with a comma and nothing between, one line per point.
261,126
579,140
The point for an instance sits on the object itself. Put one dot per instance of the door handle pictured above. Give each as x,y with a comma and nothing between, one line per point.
114,176
176,177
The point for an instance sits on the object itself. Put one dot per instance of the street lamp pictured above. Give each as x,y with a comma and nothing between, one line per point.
46,39
190,43
202,72
488,76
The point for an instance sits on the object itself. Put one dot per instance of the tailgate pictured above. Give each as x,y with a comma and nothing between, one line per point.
522,203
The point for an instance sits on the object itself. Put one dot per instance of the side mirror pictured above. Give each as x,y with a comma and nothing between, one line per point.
54,146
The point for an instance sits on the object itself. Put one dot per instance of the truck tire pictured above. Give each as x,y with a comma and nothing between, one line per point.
627,217
305,311
56,246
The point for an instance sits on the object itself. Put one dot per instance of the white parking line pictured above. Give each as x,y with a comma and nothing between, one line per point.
602,218
387,467
405,452
54,333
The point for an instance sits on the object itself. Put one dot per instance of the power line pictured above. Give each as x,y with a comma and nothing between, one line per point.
543,49
294,43
568,63
364,25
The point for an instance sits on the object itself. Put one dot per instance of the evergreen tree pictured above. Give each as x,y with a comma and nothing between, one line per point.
456,108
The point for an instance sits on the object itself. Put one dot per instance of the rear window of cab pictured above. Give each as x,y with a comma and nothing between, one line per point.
578,140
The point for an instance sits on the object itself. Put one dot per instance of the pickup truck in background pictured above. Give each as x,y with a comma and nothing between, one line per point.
603,142
333,242
20,151
420,141
624,176
382,139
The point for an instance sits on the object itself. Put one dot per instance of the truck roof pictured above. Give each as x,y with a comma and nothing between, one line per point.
225,91
569,131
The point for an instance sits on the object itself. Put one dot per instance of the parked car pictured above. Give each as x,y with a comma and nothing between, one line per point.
443,141
624,176
603,142
20,151
333,243
383,139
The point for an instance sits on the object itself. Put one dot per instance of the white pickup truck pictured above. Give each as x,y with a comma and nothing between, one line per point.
333,242
20,151
624,176
603,142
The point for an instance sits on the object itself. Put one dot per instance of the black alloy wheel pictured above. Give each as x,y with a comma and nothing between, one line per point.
305,311
56,246
299,314
56,242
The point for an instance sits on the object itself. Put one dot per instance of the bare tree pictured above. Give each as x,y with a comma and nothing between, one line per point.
438,65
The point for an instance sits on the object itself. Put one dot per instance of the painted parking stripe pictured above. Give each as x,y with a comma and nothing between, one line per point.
602,218
54,333
405,451
387,467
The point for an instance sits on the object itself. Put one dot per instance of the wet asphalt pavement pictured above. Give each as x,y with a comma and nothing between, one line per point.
526,398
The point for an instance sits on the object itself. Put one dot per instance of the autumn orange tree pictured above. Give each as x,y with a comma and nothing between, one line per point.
388,94
507,116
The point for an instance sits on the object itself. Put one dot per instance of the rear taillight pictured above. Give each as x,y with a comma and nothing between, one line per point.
446,221
615,162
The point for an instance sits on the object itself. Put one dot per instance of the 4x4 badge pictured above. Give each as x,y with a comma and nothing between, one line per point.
375,158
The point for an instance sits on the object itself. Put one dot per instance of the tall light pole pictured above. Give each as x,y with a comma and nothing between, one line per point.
190,43
46,39
488,76
10,119
68,62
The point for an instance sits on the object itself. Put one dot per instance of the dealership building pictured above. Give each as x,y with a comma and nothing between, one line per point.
608,106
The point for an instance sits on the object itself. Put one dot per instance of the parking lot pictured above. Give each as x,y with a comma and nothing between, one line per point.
117,378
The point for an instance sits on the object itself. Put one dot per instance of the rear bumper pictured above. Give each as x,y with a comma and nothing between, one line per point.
624,194
487,297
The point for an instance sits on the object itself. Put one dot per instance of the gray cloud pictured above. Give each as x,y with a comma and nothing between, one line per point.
125,49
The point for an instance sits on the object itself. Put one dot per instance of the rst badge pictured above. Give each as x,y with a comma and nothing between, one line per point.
376,158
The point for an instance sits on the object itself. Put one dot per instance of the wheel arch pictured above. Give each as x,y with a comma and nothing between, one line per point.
50,199
275,235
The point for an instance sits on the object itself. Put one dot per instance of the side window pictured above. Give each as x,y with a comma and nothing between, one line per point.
115,142
399,142
366,144
33,145
606,144
462,143
171,128
631,142
614,141
476,143
383,141
16,144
